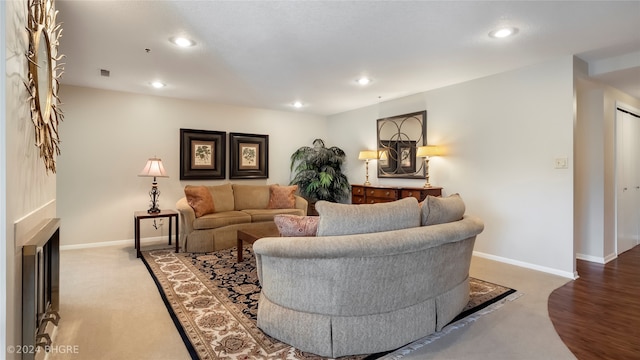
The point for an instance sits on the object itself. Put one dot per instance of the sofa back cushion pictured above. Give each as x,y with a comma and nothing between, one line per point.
200,200
344,219
222,197
438,210
282,197
251,196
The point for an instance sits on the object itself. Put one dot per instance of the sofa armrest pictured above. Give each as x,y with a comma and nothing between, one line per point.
301,203
187,215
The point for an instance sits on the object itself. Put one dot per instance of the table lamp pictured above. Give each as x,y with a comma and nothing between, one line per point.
367,155
425,152
154,169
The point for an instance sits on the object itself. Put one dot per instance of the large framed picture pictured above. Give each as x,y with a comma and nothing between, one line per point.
400,136
248,156
202,154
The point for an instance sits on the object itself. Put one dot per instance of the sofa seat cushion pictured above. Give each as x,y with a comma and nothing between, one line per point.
258,215
344,219
220,219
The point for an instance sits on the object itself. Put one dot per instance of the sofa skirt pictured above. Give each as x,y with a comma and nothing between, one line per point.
334,336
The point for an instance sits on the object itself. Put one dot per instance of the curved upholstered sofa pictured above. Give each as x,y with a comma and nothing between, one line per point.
236,207
346,292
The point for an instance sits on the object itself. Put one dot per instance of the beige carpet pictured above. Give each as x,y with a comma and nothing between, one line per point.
111,309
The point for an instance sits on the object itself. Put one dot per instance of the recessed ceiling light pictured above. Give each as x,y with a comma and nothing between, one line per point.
503,32
182,41
158,84
363,81
297,105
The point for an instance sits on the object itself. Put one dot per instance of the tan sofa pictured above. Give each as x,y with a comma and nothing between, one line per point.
375,278
237,207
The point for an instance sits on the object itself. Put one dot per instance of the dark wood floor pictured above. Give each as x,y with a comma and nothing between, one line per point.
598,315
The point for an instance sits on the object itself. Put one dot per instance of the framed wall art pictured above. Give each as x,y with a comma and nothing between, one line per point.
248,156
401,135
202,154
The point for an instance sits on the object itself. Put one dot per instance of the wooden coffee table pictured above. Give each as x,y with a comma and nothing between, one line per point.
250,236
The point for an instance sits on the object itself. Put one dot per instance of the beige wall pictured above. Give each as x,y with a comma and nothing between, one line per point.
30,192
589,187
108,136
502,134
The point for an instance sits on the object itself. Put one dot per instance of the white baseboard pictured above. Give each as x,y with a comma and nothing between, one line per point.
475,253
527,265
590,258
111,243
610,257
596,259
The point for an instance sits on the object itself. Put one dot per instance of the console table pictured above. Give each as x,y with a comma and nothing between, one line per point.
367,194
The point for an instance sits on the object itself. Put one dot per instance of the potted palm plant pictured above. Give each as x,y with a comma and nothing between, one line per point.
318,173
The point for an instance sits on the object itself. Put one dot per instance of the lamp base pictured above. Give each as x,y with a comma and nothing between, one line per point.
153,210
154,194
366,179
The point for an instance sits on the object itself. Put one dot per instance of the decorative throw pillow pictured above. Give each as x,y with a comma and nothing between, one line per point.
282,197
438,210
296,225
199,198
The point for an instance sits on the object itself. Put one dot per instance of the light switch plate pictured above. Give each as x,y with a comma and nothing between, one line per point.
562,163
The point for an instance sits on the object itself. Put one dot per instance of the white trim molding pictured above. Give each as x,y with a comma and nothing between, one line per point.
596,259
527,265
28,223
126,242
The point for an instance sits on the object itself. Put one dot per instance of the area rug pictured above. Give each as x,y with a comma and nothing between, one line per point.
213,301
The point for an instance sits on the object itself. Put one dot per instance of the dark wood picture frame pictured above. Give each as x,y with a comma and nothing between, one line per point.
406,151
248,156
202,154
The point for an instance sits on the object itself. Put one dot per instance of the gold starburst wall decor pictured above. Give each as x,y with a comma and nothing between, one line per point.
43,78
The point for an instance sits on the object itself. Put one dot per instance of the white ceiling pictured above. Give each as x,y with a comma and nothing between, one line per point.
269,54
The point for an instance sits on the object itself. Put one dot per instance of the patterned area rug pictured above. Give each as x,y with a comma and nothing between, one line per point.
213,301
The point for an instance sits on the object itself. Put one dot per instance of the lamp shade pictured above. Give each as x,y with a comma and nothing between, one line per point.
428,150
368,155
154,168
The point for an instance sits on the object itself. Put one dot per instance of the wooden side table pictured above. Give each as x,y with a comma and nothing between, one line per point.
139,215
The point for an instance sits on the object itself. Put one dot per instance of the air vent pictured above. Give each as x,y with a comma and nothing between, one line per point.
105,73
